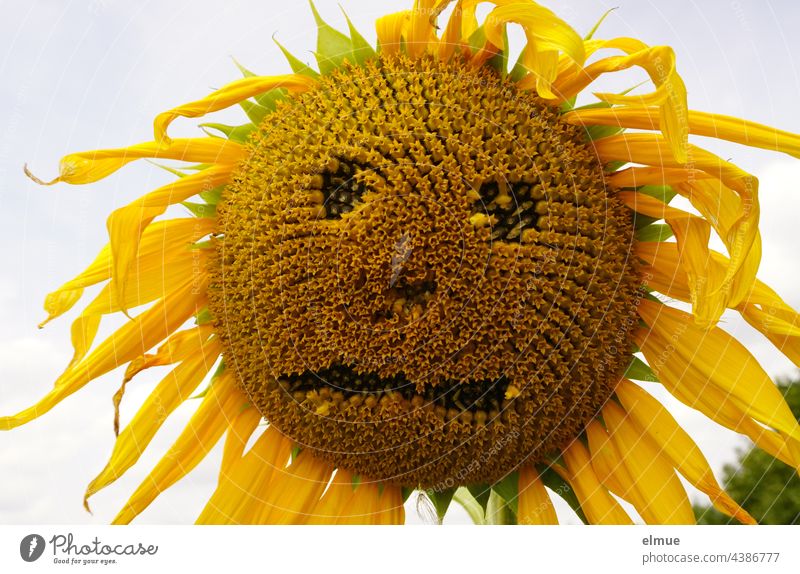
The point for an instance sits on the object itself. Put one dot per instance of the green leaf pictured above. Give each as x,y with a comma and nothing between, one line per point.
298,67
654,232
476,511
561,487
362,50
640,371
441,500
333,47
508,489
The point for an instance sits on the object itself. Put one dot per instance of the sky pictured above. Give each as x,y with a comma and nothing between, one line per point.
78,75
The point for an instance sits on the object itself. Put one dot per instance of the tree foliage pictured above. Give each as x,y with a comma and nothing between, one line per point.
764,486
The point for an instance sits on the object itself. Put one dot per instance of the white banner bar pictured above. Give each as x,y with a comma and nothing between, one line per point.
409,549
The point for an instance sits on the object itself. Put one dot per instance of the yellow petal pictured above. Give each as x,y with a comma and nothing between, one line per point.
126,224
241,429
91,166
670,93
392,29
229,95
294,491
649,149
692,234
422,28
696,358
534,504
699,123
175,388
596,502
223,402
675,443
162,239
335,505
242,487
133,339
547,35
659,488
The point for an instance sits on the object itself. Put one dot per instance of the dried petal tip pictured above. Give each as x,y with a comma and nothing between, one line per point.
36,179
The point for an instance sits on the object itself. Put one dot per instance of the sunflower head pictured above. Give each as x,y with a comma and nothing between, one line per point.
423,266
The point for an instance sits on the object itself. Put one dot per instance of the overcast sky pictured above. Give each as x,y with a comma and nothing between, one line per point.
85,75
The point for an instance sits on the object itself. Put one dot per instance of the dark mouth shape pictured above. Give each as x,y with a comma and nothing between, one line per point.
472,396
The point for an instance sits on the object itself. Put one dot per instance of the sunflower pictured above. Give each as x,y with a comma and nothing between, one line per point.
424,267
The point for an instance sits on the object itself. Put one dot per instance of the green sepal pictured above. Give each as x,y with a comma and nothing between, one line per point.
441,500
356,480
599,132
500,60
381,488
640,371
614,166
197,245
245,405
475,510
212,196
654,232
255,112
481,493
220,369
267,99
362,50
519,70
562,488
168,168
203,317
296,450
200,209
508,489
333,47
234,133
406,492
663,193
600,21
298,67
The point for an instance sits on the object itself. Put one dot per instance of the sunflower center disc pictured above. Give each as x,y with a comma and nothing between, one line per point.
421,276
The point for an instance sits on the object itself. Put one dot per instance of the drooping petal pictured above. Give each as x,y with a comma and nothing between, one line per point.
229,95
534,504
162,239
133,339
91,166
127,224
596,502
294,491
659,63
175,388
699,123
694,359
391,30
649,149
219,409
243,486
676,444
